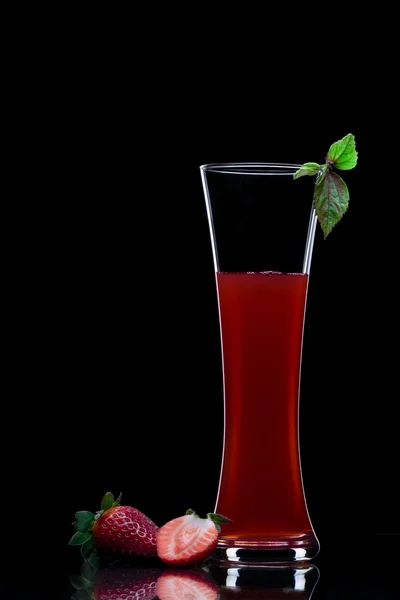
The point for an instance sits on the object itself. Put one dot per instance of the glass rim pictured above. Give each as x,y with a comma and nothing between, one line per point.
250,168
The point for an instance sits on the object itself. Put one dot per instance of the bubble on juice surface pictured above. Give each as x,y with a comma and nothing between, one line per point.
270,273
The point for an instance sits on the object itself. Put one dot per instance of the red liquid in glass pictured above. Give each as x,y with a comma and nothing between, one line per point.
261,486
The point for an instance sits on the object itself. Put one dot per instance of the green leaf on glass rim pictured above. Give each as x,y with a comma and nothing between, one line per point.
322,173
107,501
343,154
309,168
80,538
331,196
331,199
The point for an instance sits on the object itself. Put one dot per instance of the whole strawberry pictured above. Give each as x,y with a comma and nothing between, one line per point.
115,528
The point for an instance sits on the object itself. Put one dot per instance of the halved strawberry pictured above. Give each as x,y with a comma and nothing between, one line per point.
188,540
180,585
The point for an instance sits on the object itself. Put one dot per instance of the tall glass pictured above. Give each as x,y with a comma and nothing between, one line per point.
262,229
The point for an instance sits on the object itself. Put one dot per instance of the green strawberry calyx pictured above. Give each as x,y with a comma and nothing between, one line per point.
214,517
84,528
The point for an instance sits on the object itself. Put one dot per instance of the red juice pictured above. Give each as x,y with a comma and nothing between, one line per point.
261,489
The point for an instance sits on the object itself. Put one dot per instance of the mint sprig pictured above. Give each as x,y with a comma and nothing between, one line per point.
331,195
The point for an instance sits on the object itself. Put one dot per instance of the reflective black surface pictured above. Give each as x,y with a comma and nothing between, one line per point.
365,569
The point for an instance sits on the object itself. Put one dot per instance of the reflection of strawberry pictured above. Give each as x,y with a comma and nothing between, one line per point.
115,528
188,540
112,584
180,585
135,584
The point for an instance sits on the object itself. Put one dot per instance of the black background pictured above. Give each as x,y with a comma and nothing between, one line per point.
114,358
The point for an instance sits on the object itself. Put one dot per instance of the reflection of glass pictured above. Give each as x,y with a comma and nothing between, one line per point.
262,237
266,583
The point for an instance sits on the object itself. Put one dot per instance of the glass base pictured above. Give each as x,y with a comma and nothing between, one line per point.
262,552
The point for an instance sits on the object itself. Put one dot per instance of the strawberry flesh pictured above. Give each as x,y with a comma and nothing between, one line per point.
187,540
127,530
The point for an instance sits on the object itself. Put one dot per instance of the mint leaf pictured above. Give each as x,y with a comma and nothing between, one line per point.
107,501
322,173
79,538
331,199
309,168
331,196
343,154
